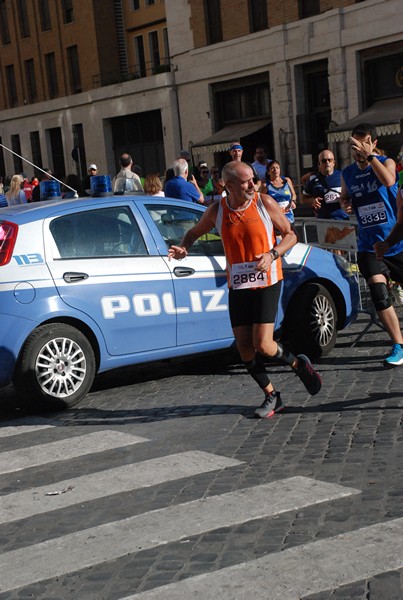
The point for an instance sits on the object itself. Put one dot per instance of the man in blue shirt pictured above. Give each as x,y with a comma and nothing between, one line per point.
322,192
369,186
179,187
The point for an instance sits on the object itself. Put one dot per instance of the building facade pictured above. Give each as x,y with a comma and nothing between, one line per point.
285,74
84,81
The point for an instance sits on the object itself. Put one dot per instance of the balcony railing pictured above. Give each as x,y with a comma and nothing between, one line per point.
135,72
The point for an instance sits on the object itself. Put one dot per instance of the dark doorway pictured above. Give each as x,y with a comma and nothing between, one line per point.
261,137
141,136
56,147
79,150
315,120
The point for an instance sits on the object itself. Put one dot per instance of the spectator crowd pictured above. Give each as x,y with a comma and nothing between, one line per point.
319,189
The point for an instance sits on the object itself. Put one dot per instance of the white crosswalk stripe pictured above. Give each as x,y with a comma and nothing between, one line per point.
91,443
21,426
113,481
290,575
110,541
297,572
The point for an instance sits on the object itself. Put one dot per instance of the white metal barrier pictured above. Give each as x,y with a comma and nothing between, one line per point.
340,237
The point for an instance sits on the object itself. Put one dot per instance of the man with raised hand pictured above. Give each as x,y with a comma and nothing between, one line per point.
369,187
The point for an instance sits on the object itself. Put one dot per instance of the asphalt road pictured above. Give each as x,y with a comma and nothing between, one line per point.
162,484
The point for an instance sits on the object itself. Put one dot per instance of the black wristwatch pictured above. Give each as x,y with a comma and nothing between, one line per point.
370,157
274,254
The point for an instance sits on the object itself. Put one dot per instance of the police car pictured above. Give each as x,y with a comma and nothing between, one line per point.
86,286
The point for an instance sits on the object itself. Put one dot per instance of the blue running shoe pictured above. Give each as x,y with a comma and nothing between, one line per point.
395,356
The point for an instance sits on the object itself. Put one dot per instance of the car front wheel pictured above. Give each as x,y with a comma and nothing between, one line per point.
56,368
311,321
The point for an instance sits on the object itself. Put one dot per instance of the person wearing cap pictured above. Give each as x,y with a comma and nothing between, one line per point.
236,151
197,171
86,182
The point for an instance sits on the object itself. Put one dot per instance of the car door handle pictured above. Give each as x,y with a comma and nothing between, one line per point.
72,276
183,271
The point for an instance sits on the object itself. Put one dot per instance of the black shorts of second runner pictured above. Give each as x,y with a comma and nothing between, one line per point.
248,307
391,266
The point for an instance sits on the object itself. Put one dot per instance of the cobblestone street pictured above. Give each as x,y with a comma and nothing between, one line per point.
332,464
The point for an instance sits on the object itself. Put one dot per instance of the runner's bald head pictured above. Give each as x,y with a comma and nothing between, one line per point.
235,169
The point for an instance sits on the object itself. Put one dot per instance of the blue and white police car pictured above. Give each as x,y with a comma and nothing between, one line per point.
86,286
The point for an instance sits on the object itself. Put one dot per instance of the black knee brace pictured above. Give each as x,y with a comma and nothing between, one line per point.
257,369
380,296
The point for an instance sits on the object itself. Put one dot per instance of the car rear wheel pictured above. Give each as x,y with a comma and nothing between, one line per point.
311,321
56,368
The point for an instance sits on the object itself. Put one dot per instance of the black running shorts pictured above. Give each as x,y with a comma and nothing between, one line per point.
369,265
248,307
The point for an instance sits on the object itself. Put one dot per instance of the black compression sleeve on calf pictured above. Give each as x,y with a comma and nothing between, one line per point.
284,356
257,369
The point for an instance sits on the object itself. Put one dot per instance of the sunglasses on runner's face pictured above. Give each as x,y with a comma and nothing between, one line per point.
326,160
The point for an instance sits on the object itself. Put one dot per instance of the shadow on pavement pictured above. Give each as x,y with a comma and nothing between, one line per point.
222,363
89,416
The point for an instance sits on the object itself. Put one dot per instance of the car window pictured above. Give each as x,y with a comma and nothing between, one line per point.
173,222
101,232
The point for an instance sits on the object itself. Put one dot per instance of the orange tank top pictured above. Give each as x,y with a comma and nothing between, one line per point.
246,233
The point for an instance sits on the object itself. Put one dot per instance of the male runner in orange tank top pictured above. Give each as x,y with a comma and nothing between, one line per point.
247,222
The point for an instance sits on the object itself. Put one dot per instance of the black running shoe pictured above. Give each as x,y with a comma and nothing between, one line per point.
271,405
307,374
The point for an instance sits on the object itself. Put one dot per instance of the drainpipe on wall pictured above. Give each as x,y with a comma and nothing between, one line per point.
282,136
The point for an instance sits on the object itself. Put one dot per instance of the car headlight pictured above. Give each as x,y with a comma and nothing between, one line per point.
342,263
